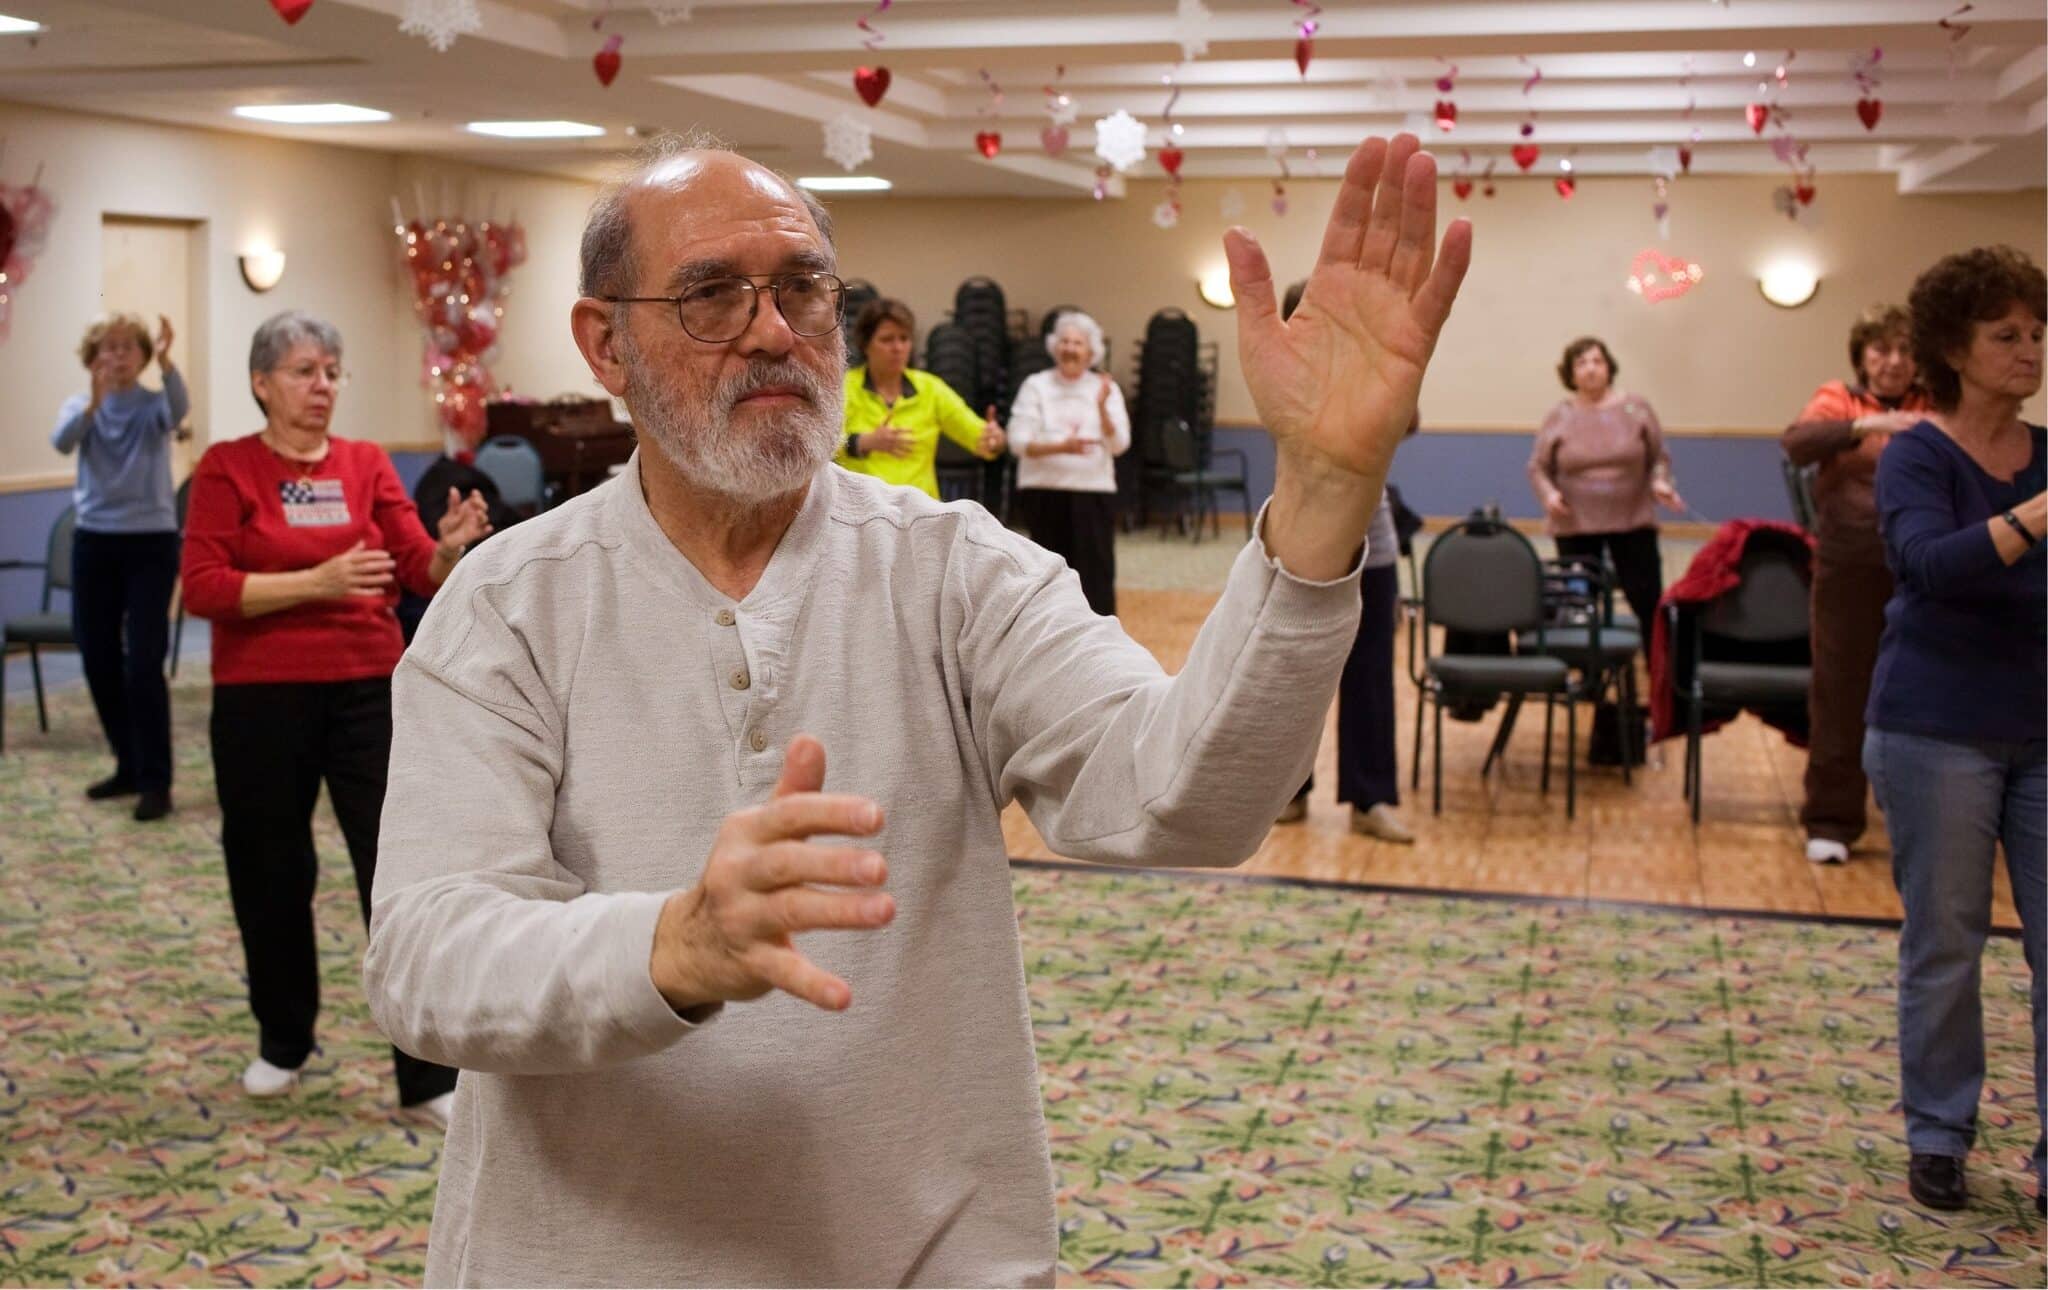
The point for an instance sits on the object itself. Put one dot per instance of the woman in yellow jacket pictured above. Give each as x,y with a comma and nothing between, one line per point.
895,414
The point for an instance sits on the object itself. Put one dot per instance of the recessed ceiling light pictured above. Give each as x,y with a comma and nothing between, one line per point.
311,113
845,183
536,129
17,26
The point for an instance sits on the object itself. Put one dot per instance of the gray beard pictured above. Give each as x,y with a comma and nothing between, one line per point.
699,439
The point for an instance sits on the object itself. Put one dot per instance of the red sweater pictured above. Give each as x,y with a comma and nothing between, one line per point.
252,511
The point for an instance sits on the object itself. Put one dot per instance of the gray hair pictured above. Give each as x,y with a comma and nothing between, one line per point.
279,334
607,268
1086,326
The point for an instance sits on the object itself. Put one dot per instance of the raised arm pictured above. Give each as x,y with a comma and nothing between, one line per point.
1928,547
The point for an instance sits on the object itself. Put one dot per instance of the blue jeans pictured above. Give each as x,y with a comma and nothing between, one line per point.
1948,803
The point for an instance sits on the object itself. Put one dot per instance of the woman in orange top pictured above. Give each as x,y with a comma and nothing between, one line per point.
1844,429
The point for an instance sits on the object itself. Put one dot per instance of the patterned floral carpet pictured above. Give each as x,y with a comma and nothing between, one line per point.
1246,1082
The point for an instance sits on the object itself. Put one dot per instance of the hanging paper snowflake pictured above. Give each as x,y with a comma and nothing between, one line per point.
1276,142
1120,139
848,142
668,15
1191,27
439,22
1232,205
1166,214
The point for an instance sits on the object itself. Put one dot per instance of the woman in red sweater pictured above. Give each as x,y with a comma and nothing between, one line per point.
296,543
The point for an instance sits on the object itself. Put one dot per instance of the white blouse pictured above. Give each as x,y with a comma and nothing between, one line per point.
1050,408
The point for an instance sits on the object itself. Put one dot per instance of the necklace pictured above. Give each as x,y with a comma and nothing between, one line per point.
303,464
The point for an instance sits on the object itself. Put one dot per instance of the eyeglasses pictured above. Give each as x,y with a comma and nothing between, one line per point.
718,310
306,373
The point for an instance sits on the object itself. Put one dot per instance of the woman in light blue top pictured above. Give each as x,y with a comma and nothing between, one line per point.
125,555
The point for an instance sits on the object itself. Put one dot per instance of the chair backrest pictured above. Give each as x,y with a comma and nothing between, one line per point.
1178,448
1799,488
57,576
1483,577
1770,602
515,466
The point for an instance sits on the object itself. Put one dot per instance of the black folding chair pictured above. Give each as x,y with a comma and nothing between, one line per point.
44,629
1769,606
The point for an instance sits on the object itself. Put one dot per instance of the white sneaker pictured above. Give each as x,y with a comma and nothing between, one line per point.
1826,851
1381,822
435,1110
264,1080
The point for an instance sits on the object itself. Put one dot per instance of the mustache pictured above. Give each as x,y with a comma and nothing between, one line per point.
773,374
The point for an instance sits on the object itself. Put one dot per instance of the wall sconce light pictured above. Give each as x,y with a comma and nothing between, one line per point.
1214,287
262,270
1788,284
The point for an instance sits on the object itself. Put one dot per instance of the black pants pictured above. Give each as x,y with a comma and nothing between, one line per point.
121,587
1367,771
272,745
1081,528
1638,566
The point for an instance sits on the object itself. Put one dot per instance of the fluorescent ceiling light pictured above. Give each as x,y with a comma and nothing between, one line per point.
536,129
845,183
17,26
311,113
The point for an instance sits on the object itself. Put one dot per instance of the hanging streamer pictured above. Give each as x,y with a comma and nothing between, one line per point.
870,37
1305,41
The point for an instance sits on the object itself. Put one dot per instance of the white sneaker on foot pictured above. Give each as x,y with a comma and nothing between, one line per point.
1381,822
435,1110
264,1080
1826,851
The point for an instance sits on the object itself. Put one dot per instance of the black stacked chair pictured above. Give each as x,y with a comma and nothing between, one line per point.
1176,389
1768,608
860,293
949,355
1799,488
980,311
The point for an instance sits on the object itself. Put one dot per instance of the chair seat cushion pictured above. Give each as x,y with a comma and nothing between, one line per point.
1495,674
1754,682
1575,645
39,629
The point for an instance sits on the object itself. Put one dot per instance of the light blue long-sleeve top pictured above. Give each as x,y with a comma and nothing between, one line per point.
124,457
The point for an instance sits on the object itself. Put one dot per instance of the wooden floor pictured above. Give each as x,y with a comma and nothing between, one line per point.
1500,835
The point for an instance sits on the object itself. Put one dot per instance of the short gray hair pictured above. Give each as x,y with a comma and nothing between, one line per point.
607,268
1086,326
279,334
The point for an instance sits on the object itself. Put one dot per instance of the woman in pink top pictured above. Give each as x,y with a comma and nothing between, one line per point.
1598,466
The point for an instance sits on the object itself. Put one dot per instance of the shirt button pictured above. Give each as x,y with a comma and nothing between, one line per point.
739,680
758,742
725,618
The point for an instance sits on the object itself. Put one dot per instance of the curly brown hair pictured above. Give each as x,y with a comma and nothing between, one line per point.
96,335
1960,291
1578,347
1879,322
877,313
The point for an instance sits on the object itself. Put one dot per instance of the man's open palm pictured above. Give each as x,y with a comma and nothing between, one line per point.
1336,384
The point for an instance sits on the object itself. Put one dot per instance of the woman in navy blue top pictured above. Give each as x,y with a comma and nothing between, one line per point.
1958,715
124,556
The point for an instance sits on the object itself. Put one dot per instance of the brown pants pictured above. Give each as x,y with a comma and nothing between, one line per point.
1848,619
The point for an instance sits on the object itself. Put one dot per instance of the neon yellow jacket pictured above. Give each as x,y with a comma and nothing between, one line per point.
928,408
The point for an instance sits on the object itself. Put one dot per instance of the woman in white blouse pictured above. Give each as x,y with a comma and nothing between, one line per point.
1067,428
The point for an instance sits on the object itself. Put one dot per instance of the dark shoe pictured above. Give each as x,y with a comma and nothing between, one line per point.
115,785
154,804
1937,1182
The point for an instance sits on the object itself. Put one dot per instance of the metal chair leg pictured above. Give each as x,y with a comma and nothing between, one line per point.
1437,761
1421,702
1698,755
1571,758
1549,722
35,667
1625,690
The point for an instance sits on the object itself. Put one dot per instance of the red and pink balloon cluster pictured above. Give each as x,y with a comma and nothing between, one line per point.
460,276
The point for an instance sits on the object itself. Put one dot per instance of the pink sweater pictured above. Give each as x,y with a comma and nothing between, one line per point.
1603,461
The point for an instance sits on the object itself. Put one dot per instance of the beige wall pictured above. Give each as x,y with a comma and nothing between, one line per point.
1544,270
328,208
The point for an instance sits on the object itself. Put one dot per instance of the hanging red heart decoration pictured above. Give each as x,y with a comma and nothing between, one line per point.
606,63
291,10
1304,49
1054,139
1525,155
1758,116
1566,186
6,235
1658,277
1170,159
1805,193
1869,110
1462,187
1685,159
1446,115
871,83
989,142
